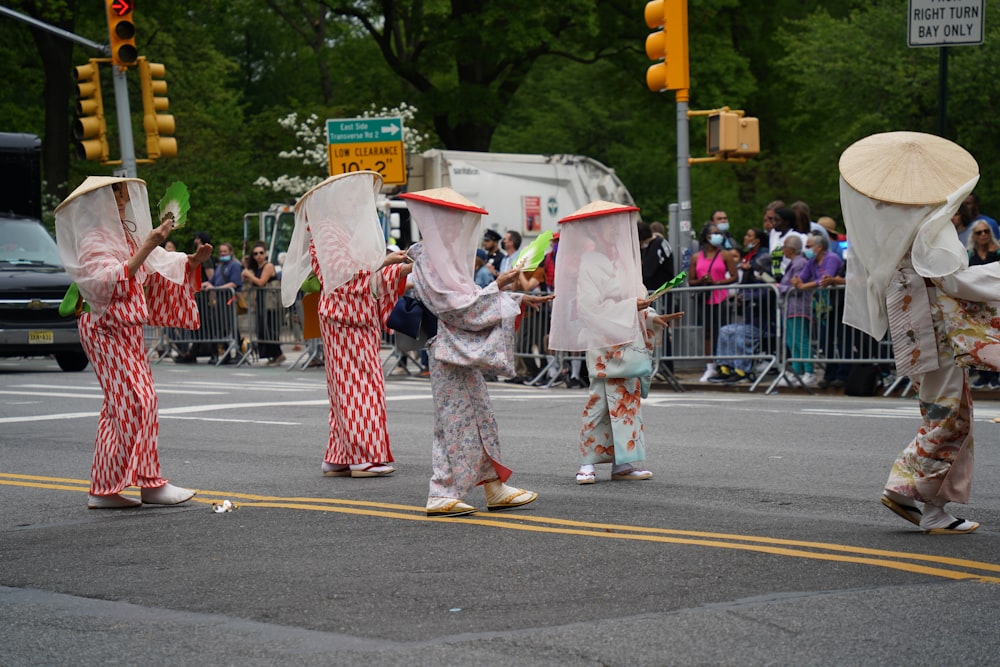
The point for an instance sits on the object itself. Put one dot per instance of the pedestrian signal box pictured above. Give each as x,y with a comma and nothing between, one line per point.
731,134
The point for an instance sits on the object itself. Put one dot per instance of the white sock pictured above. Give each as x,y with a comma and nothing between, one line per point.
587,468
574,368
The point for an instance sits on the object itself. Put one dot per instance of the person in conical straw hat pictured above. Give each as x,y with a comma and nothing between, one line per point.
601,307
908,273
110,249
338,238
475,334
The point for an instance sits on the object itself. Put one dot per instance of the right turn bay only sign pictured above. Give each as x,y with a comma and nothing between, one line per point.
945,22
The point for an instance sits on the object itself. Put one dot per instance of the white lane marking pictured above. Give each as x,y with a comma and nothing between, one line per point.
194,409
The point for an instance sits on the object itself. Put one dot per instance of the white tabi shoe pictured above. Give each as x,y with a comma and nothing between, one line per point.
168,494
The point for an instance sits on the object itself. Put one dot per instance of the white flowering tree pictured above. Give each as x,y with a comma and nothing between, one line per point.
311,149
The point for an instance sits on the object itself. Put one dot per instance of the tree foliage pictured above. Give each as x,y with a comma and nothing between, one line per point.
512,76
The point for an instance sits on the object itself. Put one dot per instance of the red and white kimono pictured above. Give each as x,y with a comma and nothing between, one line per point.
351,319
95,245
337,236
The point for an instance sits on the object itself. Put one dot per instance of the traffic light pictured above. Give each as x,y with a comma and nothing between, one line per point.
669,45
89,128
122,31
154,100
731,134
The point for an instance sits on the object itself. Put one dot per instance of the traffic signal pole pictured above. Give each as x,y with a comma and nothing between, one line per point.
125,139
684,233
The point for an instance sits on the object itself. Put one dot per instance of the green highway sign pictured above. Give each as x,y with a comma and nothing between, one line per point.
376,144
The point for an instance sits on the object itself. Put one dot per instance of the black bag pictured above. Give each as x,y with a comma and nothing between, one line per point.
409,315
863,380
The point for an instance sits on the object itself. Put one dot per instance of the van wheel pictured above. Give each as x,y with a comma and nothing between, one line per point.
71,361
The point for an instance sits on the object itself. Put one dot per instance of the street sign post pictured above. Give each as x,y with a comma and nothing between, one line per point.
355,144
935,23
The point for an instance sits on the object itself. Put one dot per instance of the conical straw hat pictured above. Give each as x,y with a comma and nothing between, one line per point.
445,197
95,182
598,208
907,167
364,172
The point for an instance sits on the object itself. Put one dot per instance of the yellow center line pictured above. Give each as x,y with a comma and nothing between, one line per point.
557,526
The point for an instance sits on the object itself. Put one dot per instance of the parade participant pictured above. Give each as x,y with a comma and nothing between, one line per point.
475,335
109,248
910,274
337,237
602,308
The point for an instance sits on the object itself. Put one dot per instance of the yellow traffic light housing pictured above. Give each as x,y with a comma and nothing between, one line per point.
668,45
155,101
731,134
122,32
89,128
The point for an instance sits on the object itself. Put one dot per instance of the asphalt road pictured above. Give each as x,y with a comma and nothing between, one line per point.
759,541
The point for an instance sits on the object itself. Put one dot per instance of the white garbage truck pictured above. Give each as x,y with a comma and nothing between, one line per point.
522,192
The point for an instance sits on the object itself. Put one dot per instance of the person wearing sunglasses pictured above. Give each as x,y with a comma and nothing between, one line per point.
267,322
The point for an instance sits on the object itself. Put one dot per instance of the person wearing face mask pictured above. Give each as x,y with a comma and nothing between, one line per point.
822,268
743,337
721,221
712,266
798,312
228,273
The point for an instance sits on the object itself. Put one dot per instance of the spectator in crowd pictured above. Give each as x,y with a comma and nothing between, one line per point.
804,224
602,308
482,275
904,186
820,264
475,330
770,218
494,255
657,260
784,225
798,312
657,229
511,248
983,249
267,311
337,238
972,204
830,225
109,248
720,219
228,274
656,256
756,308
207,266
962,220
712,266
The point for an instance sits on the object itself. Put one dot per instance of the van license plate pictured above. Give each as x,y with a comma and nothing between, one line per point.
40,337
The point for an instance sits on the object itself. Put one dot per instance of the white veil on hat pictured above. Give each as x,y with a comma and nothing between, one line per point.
450,227
898,191
598,279
341,217
94,242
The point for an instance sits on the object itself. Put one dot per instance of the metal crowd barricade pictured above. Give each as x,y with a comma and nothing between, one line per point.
826,340
749,319
267,321
219,327
531,342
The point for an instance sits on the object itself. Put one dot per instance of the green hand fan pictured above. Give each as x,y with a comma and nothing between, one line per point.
176,202
533,255
669,285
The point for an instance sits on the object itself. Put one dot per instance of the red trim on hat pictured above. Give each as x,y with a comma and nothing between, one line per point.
593,214
441,202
